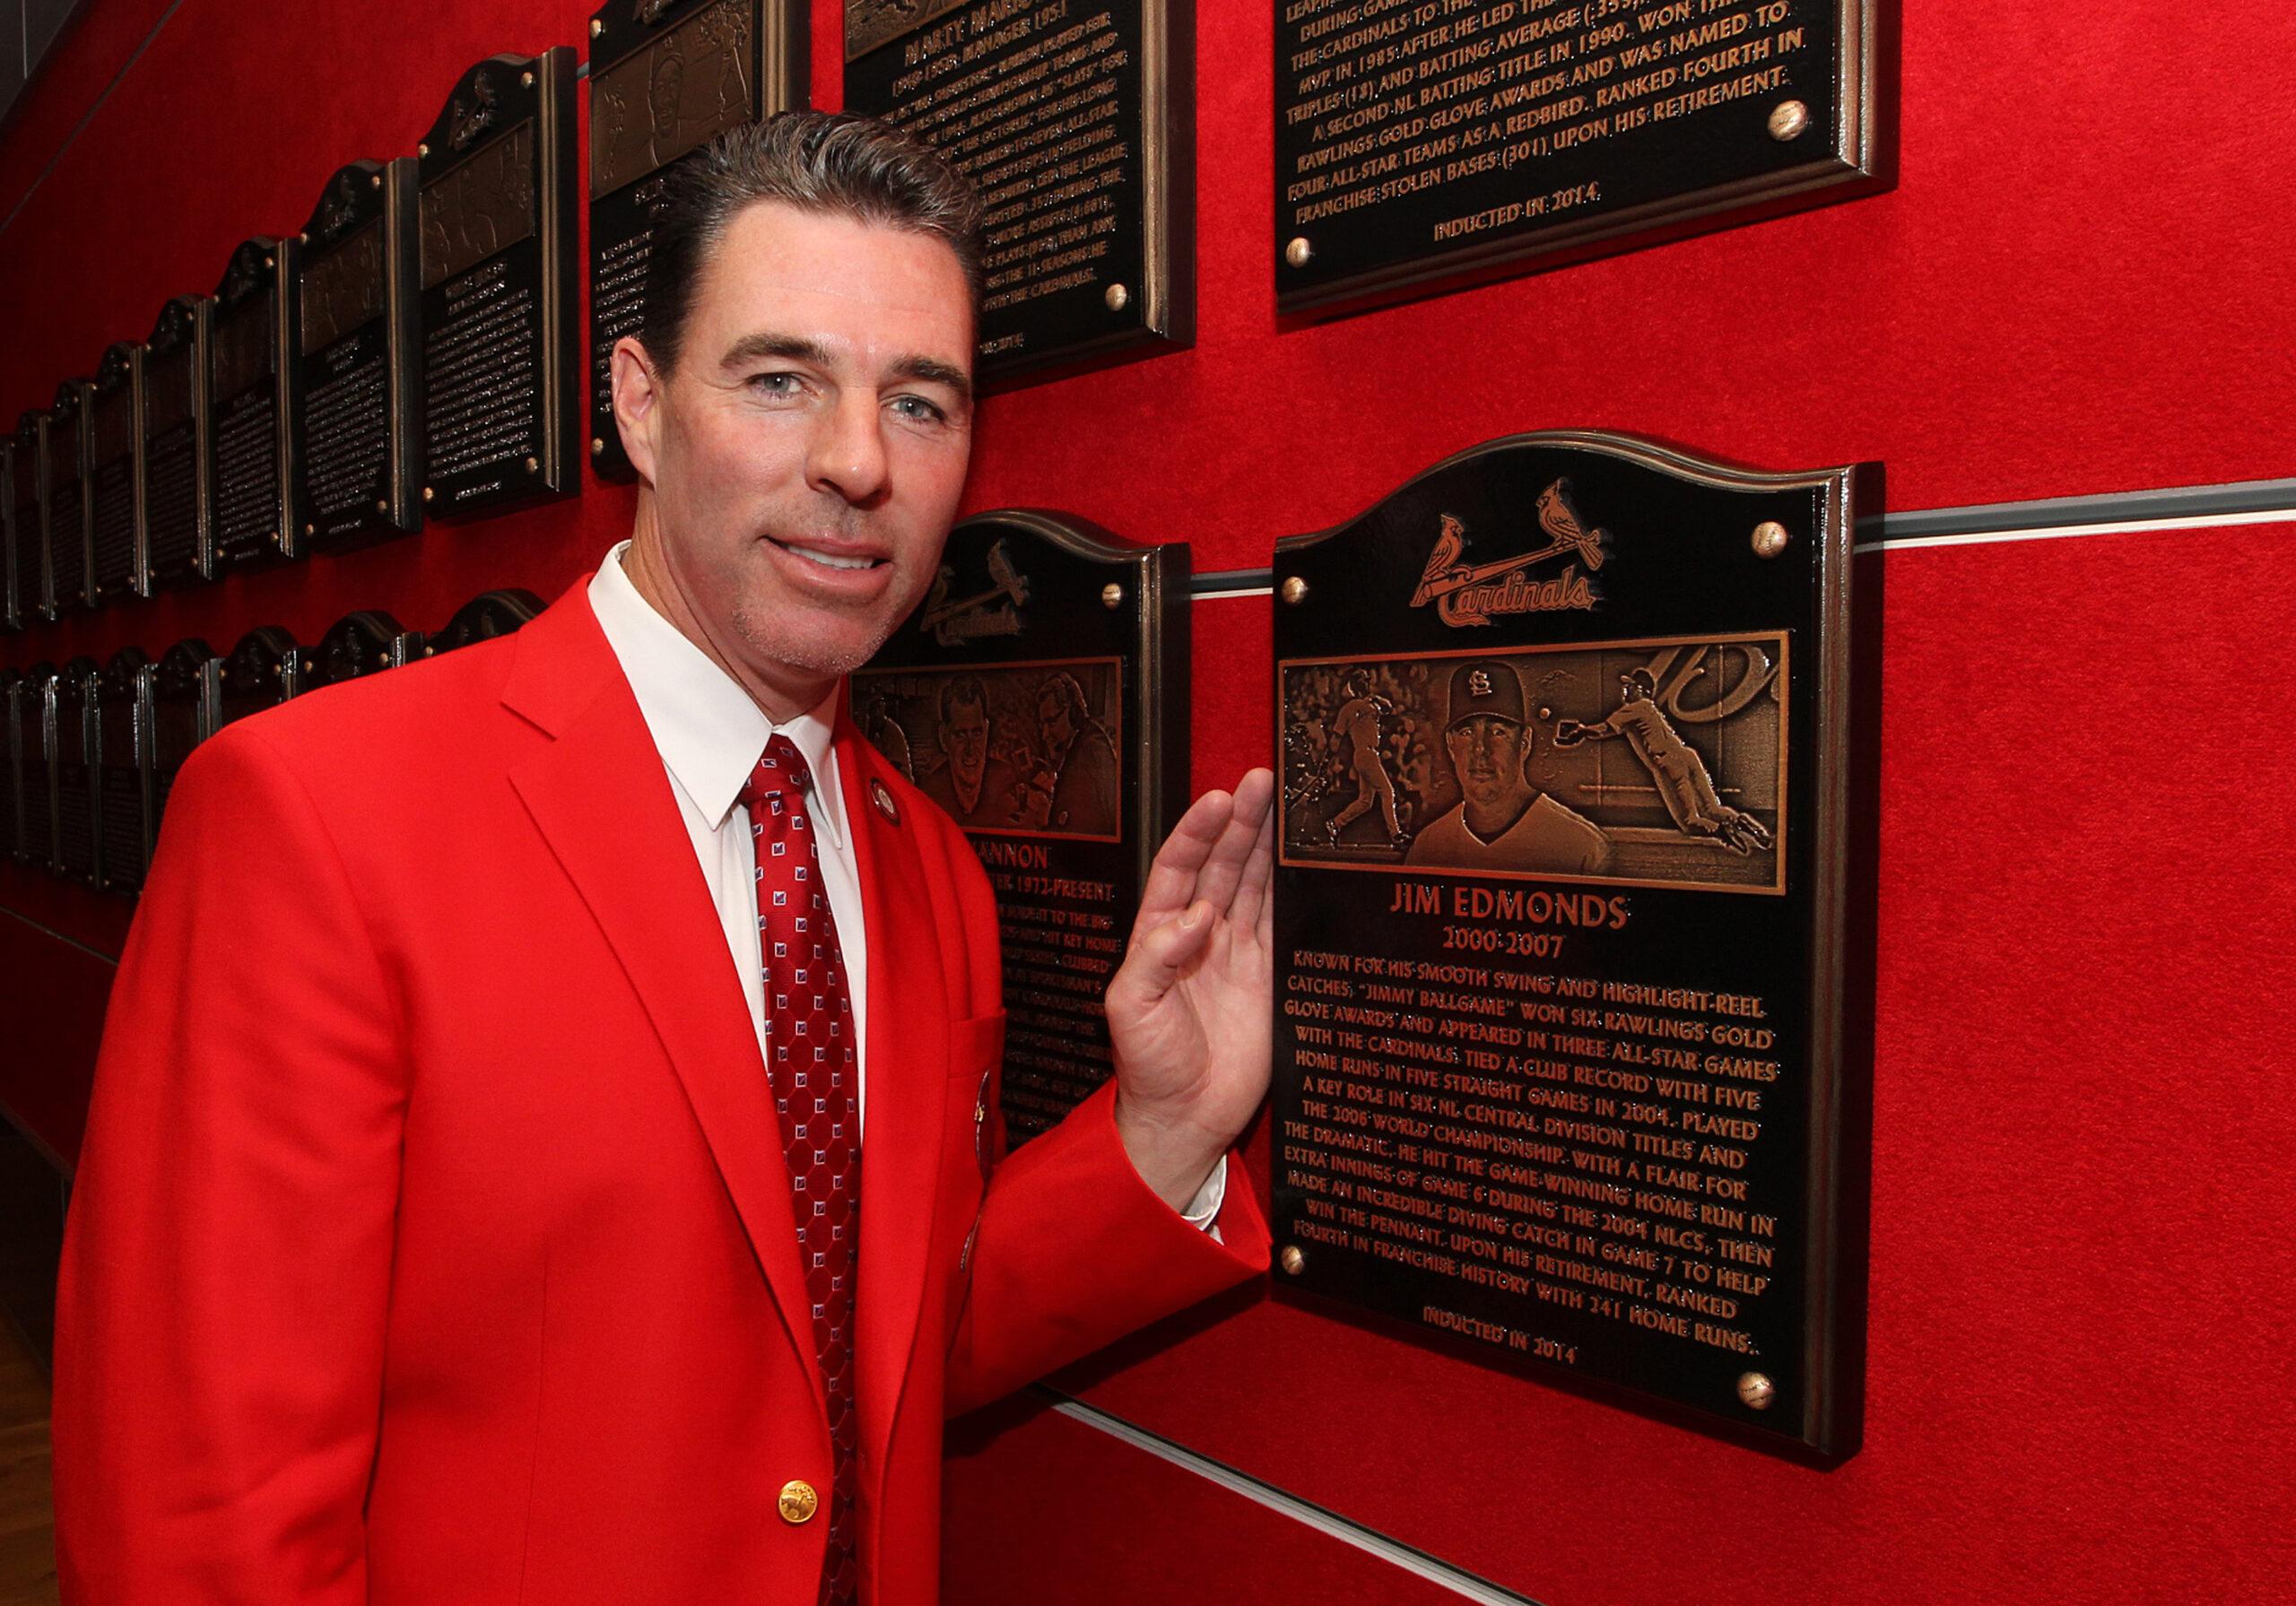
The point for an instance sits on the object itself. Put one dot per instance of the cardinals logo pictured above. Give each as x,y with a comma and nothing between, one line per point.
953,621
1467,594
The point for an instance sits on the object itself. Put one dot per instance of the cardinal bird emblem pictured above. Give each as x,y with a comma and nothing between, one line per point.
1467,594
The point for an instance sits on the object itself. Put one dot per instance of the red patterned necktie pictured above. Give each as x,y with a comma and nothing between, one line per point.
810,1060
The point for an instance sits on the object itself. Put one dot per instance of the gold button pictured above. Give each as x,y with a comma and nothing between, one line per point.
798,1501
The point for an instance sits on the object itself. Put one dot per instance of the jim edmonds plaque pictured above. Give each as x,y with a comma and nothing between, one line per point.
1077,122
1418,147
358,449
178,502
497,207
1040,696
665,76
252,384
1559,921
115,477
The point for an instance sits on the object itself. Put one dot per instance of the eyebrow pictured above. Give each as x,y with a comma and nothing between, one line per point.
798,348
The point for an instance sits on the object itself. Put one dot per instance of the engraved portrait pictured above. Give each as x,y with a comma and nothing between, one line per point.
1015,749
482,205
1653,763
662,99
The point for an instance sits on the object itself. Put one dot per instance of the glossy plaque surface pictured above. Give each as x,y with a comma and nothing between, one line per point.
1076,122
665,76
357,452
178,502
1040,696
1560,922
1418,147
497,253
253,408
115,477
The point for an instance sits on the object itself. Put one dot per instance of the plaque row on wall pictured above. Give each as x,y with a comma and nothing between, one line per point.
93,750
409,353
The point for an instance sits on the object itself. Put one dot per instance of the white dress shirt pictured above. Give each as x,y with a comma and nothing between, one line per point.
710,735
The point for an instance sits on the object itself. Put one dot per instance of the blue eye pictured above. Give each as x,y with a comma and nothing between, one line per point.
918,409
776,384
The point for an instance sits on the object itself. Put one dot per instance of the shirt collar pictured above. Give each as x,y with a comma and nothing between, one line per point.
708,731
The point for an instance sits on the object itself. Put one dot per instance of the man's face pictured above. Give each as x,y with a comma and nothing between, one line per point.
965,737
1487,752
805,459
1058,731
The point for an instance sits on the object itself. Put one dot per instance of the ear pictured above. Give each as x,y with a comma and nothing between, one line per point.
637,403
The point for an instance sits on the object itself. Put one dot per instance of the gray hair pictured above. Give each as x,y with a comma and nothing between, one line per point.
835,163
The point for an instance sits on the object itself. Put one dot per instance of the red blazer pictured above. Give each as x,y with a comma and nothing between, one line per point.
433,1243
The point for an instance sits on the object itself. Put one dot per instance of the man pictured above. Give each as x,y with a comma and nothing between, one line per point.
1501,821
484,1231
973,786
1080,774
1357,725
1683,786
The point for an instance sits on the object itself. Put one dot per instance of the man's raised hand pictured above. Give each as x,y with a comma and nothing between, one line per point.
1191,1010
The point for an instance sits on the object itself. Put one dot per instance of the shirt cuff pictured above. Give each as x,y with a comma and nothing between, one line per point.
1204,1210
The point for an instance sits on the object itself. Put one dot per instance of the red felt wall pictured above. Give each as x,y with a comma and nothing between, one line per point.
2082,283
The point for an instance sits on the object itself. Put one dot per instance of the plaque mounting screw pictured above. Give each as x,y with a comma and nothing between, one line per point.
597,28
534,466
422,150
1789,121
597,446
1299,253
303,239
429,494
1112,594
1294,1261
382,504
1117,298
1770,538
1294,590
526,80
1756,1391
311,529
374,181
270,262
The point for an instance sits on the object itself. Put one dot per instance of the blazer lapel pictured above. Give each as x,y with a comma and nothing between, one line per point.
600,799
908,1089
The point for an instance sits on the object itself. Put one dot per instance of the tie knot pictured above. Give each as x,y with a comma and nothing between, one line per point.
781,769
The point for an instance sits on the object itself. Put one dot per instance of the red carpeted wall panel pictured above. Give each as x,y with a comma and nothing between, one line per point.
2082,283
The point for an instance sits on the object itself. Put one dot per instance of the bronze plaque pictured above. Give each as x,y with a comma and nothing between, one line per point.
186,710
12,800
252,388
116,540
357,644
664,77
266,668
123,749
357,453
178,492
1419,149
12,612
1077,122
67,529
78,844
481,619
32,740
1560,926
1040,696
28,499
496,214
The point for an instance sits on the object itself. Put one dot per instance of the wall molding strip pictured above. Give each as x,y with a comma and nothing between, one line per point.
2045,519
87,116
48,931
1466,1585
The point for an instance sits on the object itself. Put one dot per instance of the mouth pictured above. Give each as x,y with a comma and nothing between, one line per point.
831,555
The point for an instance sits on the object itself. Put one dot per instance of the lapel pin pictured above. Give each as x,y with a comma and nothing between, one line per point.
881,795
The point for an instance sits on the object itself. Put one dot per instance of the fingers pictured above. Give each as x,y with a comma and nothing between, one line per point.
1256,801
1172,878
1157,955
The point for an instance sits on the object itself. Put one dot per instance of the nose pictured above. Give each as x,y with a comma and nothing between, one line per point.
846,458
